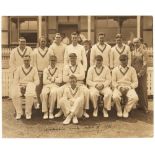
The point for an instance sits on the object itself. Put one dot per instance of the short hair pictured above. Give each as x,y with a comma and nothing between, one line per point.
73,55
87,41
42,37
123,56
58,34
99,57
25,57
52,56
22,38
118,35
73,77
136,40
101,34
74,34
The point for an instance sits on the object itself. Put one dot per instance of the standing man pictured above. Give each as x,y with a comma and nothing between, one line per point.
41,61
139,62
124,82
16,60
52,77
26,80
77,70
72,101
101,48
98,80
117,50
58,49
74,47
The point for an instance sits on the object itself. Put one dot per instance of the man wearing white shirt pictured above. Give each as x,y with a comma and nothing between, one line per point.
52,78
58,49
124,82
16,60
98,80
101,48
72,102
41,61
117,50
77,70
26,80
74,47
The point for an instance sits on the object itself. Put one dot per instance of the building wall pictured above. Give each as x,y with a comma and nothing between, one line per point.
14,26
5,23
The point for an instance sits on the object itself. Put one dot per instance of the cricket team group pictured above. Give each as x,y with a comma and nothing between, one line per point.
71,77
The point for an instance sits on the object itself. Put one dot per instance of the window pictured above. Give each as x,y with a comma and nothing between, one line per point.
23,27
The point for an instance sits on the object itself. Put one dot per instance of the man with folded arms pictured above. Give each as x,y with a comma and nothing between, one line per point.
26,80
98,80
124,82
72,102
76,69
52,77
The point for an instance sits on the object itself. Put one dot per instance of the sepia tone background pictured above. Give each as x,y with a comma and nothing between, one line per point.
32,27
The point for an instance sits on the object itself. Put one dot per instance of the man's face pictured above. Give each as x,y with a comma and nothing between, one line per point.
99,62
53,62
27,61
73,60
58,38
74,38
72,81
137,43
86,46
118,41
124,62
101,39
22,43
42,42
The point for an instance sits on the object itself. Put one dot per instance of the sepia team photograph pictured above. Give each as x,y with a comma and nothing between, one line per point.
77,76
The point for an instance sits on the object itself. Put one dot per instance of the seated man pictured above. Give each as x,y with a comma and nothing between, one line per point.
124,81
72,102
77,70
98,80
26,80
52,77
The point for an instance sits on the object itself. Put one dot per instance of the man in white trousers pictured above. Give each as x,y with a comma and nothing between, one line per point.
72,101
41,61
52,78
76,69
16,60
98,80
124,82
117,50
26,80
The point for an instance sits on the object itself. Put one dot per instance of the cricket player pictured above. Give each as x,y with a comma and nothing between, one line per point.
101,48
41,61
72,102
16,60
124,82
26,80
74,47
98,80
117,50
76,69
52,78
